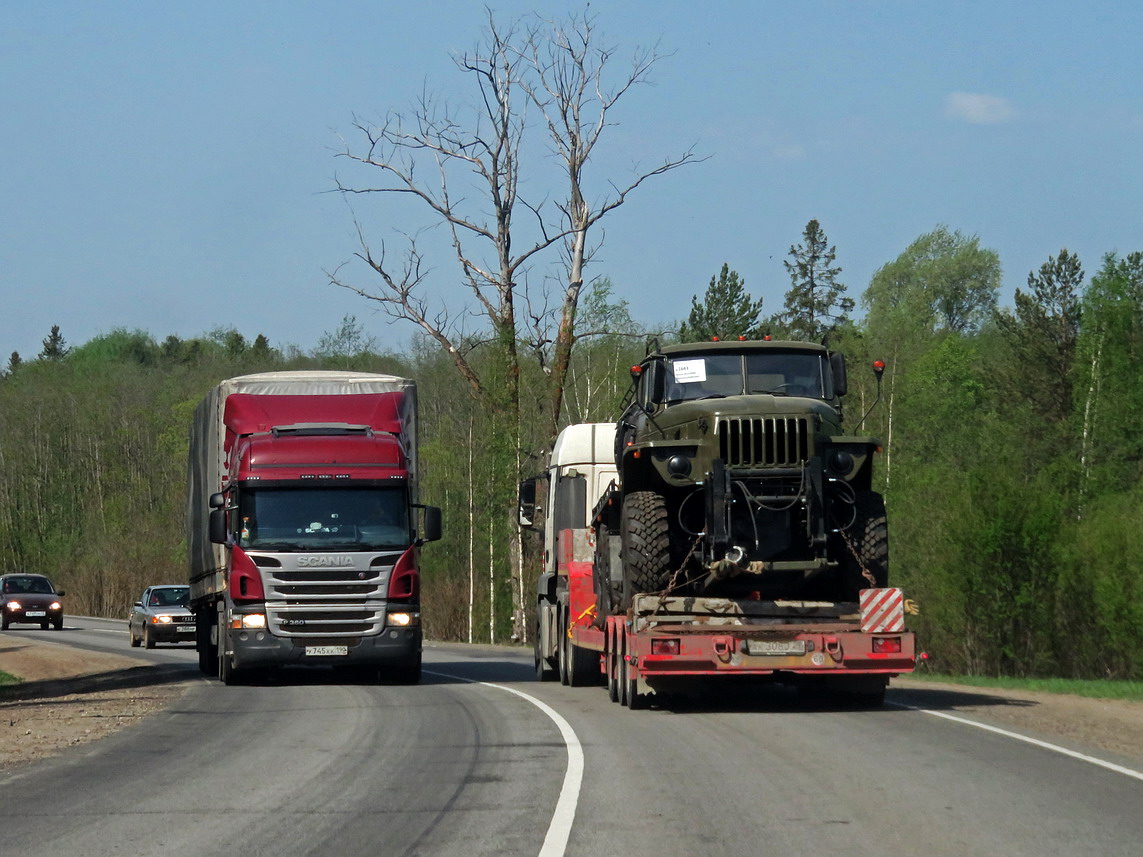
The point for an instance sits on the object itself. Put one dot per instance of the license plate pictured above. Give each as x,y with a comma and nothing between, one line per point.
777,647
186,629
35,613
327,650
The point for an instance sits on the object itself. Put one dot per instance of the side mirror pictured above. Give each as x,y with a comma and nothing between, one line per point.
217,501
432,524
218,526
837,367
60,593
526,507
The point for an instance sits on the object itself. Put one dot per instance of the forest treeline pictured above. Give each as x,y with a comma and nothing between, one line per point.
1012,459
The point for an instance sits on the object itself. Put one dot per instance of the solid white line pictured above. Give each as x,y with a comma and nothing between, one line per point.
556,841
1055,748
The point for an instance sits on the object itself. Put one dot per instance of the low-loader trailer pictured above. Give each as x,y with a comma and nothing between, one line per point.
724,527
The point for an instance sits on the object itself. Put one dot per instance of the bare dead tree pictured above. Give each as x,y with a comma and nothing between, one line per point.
567,84
436,156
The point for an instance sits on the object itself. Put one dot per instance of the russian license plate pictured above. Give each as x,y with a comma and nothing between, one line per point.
776,647
186,629
33,613
327,650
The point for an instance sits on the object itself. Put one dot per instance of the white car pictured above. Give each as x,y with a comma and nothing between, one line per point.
161,616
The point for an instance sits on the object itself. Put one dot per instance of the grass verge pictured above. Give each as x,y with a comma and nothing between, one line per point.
1095,688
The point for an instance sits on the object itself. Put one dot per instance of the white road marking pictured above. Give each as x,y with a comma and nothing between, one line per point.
1055,748
556,841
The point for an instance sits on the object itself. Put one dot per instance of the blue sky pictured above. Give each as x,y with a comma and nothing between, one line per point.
166,166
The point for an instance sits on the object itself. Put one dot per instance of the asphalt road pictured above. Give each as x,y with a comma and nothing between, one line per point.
475,761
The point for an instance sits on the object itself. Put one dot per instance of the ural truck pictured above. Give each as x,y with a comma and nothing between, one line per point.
304,526
741,535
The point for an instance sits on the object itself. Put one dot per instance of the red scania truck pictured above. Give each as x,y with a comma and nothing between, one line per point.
724,527
304,526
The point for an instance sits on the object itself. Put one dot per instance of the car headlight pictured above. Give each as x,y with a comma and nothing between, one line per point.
161,619
13,605
55,605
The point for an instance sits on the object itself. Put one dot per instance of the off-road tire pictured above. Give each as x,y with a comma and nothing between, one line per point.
869,535
644,530
605,600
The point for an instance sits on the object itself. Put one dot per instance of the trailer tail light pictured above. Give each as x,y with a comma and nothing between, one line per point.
665,646
887,645
245,579
405,579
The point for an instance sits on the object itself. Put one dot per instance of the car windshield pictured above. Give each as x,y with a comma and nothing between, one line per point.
300,518
173,596
28,585
776,372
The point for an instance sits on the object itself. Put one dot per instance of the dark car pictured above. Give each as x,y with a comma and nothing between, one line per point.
31,599
161,615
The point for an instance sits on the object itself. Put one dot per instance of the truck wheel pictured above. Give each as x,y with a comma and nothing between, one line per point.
644,531
544,671
631,697
612,662
582,664
409,672
869,536
227,674
207,651
563,647
621,669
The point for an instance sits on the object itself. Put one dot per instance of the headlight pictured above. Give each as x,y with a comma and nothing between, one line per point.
678,465
55,605
13,605
253,620
841,462
404,620
161,620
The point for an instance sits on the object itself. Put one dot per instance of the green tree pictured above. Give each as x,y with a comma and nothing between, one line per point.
726,311
944,279
816,303
1041,334
55,346
14,362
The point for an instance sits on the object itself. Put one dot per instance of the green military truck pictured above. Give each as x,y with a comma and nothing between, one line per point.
736,479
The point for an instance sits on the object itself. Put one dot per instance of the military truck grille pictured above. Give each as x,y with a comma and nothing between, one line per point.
764,441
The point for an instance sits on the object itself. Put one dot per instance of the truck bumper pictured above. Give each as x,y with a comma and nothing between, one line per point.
393,646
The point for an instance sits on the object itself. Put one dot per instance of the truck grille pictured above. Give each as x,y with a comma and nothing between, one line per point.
764,441
305,603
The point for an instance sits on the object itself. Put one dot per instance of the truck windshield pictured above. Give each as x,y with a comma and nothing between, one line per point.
780,373
338,517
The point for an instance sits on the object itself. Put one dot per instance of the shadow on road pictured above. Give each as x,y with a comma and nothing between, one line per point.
130,678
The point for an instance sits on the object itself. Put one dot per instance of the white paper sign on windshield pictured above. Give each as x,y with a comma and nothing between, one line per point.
689,371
